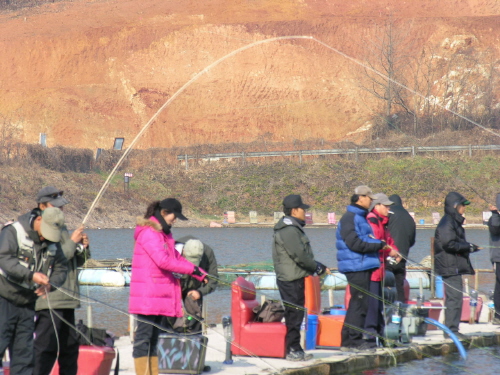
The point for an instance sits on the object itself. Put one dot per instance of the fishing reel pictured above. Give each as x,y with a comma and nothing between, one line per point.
404,322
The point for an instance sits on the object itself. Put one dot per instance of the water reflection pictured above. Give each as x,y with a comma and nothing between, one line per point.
479,361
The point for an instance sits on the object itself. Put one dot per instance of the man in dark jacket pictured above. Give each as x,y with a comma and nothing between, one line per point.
358,257
494,228
403,230
54,338
293,261
451,253
31,261
193,291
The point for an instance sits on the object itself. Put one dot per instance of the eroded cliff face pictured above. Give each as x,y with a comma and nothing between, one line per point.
86,72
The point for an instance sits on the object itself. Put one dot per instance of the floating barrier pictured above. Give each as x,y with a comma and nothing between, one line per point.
103,277
120,276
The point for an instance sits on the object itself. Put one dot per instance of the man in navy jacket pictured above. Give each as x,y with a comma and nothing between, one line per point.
357,256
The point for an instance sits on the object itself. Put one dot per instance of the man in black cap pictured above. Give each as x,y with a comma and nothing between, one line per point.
31,261
293,261
54,338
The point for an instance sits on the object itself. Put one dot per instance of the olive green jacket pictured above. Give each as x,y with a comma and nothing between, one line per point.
292,254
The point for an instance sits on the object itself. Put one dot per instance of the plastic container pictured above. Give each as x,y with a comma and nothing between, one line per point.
439,287
312,331
338,310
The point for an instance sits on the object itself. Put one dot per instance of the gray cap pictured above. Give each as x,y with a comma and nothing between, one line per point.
381,198
364,190
50,194
52,224
193,251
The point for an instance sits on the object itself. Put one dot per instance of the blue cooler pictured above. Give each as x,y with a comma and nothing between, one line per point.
312,331
439,287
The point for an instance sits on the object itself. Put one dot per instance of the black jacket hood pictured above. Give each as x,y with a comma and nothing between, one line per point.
396,199
451,201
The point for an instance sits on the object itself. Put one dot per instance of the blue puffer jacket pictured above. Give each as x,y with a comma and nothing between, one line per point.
356,251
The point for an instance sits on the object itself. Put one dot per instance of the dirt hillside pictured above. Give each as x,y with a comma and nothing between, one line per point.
87,71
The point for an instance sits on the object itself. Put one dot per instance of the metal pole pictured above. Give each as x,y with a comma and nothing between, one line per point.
186,161
433,280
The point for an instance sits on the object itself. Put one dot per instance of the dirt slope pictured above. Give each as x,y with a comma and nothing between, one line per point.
85,72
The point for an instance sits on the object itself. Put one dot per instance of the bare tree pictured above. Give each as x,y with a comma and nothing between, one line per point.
388,61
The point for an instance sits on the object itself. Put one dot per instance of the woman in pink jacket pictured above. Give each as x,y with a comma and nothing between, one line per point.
378,217
155,293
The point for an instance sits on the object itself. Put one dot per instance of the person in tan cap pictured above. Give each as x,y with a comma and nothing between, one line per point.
357,257
55,339
31,262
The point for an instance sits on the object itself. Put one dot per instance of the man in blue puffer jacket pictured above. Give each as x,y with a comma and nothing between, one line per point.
357,256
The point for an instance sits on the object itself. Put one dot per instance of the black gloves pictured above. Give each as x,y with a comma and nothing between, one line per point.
474,248
320,268
197,271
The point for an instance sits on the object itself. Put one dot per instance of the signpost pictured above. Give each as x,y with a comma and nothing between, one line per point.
126,180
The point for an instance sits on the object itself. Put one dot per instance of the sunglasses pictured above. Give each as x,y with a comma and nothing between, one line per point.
55,195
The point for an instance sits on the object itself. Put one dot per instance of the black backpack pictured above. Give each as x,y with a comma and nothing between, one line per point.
270,311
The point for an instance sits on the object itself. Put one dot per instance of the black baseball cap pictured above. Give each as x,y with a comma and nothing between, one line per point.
294,201
52,195
174,206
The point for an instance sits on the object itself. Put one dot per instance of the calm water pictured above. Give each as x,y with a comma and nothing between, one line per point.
480,361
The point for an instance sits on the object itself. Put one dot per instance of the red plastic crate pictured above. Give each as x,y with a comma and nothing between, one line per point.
92,360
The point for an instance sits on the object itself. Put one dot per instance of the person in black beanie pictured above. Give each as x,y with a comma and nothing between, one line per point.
452,257
293,261
403,231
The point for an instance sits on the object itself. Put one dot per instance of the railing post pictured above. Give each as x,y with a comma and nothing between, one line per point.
300,157
470,151
413,151
356,153
186,161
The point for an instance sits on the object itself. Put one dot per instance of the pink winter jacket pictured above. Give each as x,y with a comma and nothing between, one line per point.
153,288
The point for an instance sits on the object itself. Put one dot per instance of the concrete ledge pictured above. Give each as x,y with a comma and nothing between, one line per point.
392,356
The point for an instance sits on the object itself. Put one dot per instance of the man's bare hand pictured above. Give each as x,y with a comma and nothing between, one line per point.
40,278
194,295
42,291
77,235
493,207
85,240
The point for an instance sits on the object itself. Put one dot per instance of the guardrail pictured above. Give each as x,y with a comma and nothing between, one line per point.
413,150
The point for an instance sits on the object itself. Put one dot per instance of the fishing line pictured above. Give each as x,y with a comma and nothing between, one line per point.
175,95
212,65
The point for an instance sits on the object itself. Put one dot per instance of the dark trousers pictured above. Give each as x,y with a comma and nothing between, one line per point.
453,303
399,271
16,333
354,323
293,296
374,322
53,334
496,295
146,335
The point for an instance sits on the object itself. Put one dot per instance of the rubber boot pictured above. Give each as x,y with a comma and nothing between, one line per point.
142,366
153,365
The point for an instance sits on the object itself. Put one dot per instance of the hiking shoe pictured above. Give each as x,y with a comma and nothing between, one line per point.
298,355
368,347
